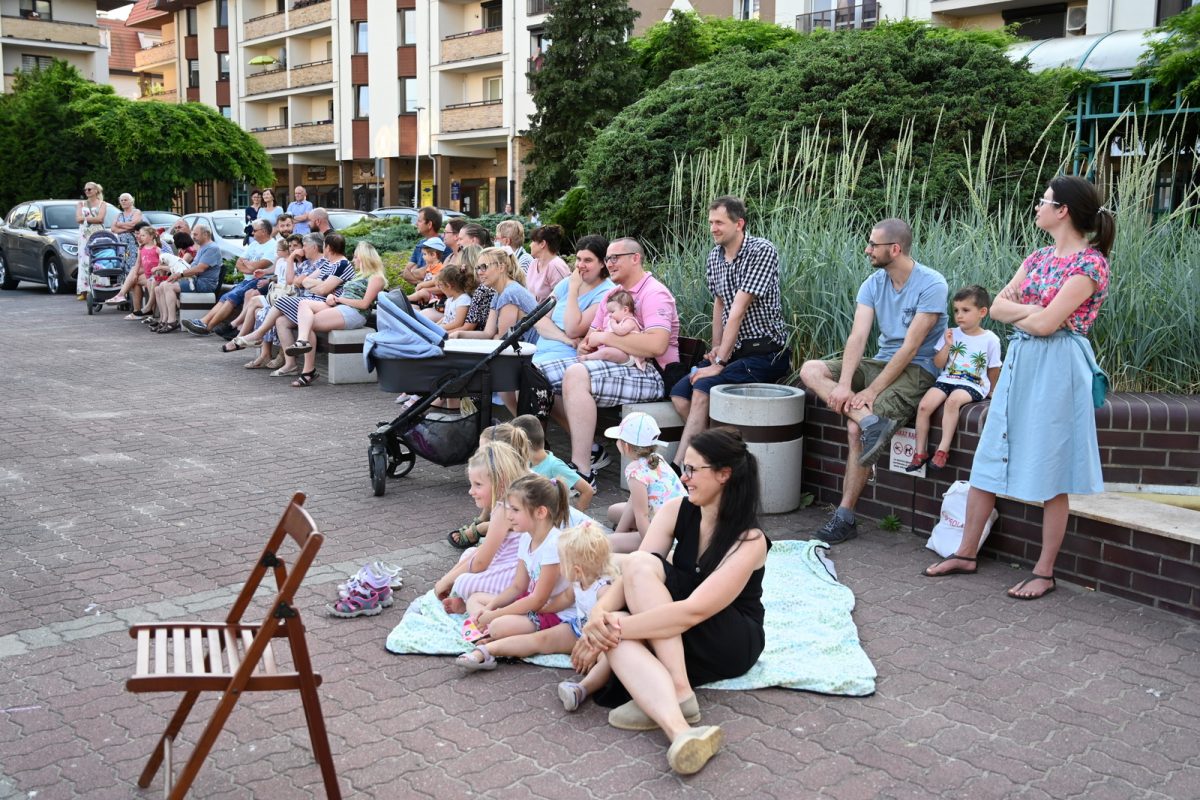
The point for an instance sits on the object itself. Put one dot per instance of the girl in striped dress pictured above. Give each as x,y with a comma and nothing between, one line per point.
490,567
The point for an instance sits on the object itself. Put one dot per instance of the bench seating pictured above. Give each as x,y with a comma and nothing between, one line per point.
344,356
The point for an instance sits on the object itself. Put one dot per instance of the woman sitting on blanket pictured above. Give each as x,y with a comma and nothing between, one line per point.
693,619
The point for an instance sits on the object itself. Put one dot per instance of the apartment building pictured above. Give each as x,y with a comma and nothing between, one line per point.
35,32
1035,19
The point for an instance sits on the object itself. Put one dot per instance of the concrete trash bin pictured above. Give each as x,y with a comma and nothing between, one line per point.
771,419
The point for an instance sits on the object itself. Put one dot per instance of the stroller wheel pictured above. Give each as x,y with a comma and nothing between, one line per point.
377,461
92,305
401,460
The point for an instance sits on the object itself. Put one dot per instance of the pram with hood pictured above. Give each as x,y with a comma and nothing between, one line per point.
106,268
412,354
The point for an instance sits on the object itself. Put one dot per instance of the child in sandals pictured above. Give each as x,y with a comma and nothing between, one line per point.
470,534
489,567
527,609
650,478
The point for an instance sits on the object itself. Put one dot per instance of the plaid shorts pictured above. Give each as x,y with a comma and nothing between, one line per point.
612,384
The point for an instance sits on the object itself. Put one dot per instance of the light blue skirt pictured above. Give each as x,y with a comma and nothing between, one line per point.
1039,439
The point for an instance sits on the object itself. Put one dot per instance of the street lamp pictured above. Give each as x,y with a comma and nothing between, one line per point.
417,158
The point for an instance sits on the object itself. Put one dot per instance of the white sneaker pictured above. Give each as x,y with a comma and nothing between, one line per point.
375,576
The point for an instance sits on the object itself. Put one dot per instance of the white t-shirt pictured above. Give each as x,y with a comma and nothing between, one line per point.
262,251
970,359
585,600
281,265
453,304
544,555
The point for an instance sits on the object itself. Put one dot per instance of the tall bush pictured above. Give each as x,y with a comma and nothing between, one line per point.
806,201
943,87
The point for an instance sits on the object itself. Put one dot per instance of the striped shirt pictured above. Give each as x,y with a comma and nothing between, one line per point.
755,270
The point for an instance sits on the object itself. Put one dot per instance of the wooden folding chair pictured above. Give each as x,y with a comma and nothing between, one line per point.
230,657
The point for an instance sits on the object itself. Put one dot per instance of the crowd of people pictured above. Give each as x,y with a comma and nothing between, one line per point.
670,597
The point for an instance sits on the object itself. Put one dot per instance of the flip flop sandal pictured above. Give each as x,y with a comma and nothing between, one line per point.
232,347
464,537
471,665
955,571
1035,577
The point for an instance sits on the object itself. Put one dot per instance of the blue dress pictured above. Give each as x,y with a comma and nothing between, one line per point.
1039,438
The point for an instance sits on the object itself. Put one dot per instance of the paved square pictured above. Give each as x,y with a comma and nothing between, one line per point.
140,473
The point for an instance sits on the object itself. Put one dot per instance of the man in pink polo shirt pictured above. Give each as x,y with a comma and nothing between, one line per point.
586,385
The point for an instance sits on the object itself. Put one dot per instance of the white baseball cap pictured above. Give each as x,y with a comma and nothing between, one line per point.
638,429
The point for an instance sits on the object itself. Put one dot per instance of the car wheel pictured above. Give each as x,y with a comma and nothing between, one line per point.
7,281
56,280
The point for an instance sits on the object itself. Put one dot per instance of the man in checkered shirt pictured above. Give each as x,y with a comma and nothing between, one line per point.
749,341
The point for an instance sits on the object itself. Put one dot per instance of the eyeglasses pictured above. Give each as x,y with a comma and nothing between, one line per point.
482,267
688,470
1044,202
615,257
872,245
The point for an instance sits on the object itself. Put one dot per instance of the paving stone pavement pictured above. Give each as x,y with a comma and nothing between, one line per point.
140,473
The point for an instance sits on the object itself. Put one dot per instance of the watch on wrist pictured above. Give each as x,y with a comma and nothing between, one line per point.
720,362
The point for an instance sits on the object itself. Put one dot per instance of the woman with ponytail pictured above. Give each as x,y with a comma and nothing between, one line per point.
1039,440
694,618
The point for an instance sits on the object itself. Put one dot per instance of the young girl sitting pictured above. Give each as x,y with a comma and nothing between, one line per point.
622,319
536,506
651,480
456,284
142,276
489,567
585,561
476,529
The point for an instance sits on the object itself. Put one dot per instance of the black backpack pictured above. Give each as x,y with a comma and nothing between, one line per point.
536,393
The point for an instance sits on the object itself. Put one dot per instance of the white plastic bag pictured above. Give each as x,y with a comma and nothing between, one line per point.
947,534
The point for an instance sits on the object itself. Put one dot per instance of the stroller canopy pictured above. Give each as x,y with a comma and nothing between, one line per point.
401,334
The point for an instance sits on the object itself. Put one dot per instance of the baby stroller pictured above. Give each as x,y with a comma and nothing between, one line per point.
106,271
413,355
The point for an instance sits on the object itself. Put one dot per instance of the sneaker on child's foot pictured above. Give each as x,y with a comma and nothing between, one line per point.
572,695
590,477
362,601
600,457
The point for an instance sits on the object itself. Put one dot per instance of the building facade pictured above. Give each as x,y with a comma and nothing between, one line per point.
35,32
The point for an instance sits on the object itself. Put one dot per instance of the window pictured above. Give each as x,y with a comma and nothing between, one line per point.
222,13
226,112
408,26
283,116
223,66
30,63
493,88
1166,8
1039,22
408,96
193,73
745,9
330,117
192,26
362,102
361,44
493,16
36,9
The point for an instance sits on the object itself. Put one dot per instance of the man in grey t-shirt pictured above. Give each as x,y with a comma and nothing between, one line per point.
878,395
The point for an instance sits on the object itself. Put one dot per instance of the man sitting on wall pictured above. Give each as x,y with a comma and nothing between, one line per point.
878,395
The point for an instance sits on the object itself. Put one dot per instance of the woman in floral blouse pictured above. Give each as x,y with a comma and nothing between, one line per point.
1039,440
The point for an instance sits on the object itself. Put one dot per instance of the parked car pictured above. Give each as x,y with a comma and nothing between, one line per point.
342,218
228,227
161,220
451,214
39,242
407,213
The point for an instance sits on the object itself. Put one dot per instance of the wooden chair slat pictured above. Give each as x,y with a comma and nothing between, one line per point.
143,653
160,651
179,640
196,638
231,650
215,661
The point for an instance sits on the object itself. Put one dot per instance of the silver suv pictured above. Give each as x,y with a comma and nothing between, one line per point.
39,242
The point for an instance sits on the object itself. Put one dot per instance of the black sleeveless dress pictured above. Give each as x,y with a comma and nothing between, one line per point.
725,645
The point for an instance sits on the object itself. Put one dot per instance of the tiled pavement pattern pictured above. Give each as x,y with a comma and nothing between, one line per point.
139,473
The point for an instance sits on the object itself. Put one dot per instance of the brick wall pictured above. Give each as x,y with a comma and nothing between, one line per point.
1151,439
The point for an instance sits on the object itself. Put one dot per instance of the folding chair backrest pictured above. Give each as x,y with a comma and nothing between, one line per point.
297,524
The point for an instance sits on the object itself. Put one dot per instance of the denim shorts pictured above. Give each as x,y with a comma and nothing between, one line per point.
238,293
766,368
352,317
947,388
576,627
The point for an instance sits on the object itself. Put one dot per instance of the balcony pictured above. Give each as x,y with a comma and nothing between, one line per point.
162,95
856,18
535,7
474,44
162,53
311,73
275,136
302,14
473,116
269,81
44,30
318,132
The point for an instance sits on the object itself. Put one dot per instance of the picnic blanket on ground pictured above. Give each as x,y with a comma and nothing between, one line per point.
811,640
